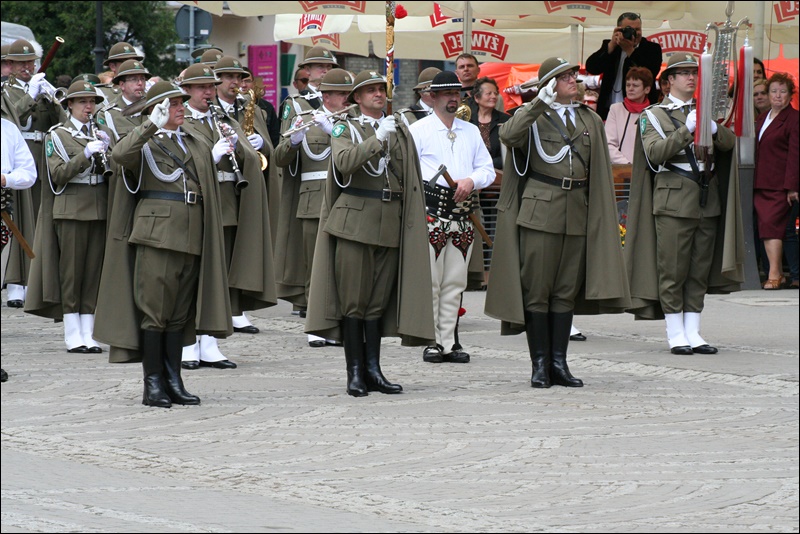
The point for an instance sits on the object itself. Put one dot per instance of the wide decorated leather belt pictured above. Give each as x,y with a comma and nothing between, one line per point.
439,203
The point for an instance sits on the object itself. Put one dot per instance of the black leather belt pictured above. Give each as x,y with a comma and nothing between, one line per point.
386,195
566,183
190,197
686,174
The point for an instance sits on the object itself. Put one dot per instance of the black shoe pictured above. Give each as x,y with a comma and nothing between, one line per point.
302,313
577,337
15,303
3,375
333,343
249,329
457,356
705,349
82,349
433,354
222,364
316,343
682,350
190,365
94,350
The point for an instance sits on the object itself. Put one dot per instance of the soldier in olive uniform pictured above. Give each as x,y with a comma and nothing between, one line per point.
291,273
119,54
210,57
245,212
65,274
547,258
131,79
305,156
684,224
372,216
32,98
179,280
424,105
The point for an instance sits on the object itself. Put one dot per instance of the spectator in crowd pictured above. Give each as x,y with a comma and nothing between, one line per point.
623,117
467,70
424,104
301,79
760,98
777,173
616,56
759,70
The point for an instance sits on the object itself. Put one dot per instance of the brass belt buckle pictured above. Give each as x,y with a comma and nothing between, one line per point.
386,195
566,180
191,197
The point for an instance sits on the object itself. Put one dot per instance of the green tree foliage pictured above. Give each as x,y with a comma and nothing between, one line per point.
147,25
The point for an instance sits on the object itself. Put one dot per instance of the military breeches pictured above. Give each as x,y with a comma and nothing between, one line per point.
229,235
450,246
552,269
82,245
684,251
310,228
366,276
165,287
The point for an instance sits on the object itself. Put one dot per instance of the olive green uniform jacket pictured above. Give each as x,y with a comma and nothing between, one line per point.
605,288
252,271
727,267
118,320
410,311
78,201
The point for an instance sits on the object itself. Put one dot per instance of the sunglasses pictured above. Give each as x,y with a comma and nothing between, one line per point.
304,80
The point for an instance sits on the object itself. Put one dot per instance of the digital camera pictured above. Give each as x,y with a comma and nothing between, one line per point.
629,33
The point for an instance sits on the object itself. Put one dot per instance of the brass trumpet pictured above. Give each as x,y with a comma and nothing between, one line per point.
309,124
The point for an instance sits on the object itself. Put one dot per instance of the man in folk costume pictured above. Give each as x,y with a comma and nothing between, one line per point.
131,79
291,279
305,157
31,96
231,73
441,138
173,281
549,261
680,245
70,241
371,254
245,213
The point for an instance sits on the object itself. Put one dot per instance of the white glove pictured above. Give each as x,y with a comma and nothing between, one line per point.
221,148
93,147
713,127
160,114
548,94
229,133
323,122
101,135
387,126
691,121
39,85
256,141
297,137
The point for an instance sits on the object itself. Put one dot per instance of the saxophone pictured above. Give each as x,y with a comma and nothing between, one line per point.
248,122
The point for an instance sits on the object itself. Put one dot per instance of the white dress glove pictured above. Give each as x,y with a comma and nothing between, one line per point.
220,149
256,141
323,122
93,147
230,134
297,137
102,136
387,126
548,94
160,114
691,121
714,127
39,85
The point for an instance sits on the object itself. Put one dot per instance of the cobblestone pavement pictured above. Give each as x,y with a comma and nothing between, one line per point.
652,443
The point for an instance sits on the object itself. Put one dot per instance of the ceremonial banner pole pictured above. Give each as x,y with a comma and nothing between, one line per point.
390,18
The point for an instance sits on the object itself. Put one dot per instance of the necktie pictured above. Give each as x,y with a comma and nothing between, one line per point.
85,130
570,125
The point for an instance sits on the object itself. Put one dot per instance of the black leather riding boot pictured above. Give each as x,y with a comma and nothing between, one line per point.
537,329
153,366
372,356
173,350
353,341
560,326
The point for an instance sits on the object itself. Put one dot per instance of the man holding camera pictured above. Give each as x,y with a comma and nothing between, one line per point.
626,48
